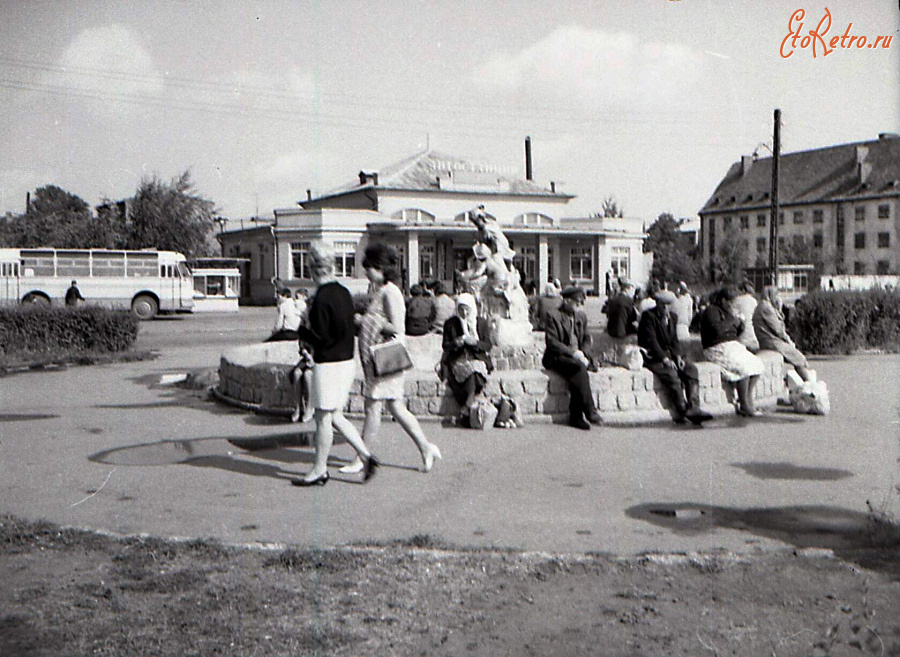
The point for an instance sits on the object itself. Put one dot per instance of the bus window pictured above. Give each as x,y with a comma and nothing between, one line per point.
73,263
109,264
183,270
200,284
143,265
40,263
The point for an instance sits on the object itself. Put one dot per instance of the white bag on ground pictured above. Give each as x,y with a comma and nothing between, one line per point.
808,396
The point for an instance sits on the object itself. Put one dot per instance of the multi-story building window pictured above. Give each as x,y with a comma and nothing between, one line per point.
818,240
781,218
884,211
426,261
745,221
711,224
884,240
818,216
839,237
860,212
760,220
760,244
620,261
781,243
798,217
883,267
581,263
859,268
798,241
344,258
727,223
300,259
859,240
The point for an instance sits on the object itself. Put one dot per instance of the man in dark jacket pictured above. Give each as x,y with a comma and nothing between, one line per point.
567,354
420,312
73,295
658,341
622,317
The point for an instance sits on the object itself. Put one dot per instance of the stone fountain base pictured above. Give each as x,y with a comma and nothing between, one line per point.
256,377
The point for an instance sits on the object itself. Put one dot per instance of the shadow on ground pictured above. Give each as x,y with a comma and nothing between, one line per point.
868,539
784,470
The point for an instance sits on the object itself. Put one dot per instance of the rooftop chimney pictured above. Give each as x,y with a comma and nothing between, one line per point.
746,163
527,158
553,187
308,194
863,168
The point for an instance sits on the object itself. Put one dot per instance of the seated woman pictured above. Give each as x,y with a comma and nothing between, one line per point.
466,363
719,330
744,306
768,322
288,320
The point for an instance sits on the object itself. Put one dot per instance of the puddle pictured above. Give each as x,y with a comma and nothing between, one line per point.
784,470
25,417
166,452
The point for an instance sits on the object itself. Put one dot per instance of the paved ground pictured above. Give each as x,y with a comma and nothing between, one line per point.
111,448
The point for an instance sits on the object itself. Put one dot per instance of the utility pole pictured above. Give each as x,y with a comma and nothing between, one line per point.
773,220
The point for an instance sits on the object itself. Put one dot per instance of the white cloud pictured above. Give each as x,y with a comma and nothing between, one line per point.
109,60
573,64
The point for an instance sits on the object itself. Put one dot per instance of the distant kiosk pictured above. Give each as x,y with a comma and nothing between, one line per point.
793,280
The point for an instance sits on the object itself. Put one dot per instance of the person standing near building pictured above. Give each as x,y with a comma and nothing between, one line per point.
420,313
568,354
73,295
684,311
620,312
444,307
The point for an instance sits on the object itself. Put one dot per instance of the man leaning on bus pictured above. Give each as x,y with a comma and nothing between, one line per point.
73,295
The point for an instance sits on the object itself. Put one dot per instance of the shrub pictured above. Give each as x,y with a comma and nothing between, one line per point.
843,322
35,329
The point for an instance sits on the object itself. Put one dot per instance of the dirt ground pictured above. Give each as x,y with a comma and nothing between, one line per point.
68,592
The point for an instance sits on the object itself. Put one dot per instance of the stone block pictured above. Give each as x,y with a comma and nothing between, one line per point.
606,401
410,387
356,387
601,382
548,405
626,400
556,384
535,385
357,404
418,405
447,406
647,400
427,388
492,388
621,382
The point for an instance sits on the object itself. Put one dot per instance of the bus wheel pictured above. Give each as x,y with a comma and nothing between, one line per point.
33,298
144,306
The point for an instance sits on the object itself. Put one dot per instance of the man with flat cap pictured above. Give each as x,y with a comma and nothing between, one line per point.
567,354
658,340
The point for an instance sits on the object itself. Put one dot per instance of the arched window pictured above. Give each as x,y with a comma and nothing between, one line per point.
413,216
463,217
533,219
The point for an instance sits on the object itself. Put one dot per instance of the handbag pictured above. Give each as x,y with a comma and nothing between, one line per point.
390,357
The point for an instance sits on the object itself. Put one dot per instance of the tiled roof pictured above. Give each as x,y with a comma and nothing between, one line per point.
823,175
420,172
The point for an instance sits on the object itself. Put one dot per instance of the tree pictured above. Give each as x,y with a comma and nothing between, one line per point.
674,253
730,260
171,217
60,219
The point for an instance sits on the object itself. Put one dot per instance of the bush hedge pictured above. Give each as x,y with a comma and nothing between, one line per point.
844,322
43,330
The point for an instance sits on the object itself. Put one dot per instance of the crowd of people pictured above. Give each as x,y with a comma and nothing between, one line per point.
732,324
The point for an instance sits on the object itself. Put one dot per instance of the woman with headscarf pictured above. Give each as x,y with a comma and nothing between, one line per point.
385,319
466,362
719,330
331,333
768,322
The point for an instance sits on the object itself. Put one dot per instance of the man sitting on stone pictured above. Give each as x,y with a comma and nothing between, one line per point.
658,340
567,354
622,317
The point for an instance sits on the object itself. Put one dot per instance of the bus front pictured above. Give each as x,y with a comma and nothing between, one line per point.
186,297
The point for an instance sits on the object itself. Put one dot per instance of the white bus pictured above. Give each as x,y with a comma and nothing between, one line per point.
145,281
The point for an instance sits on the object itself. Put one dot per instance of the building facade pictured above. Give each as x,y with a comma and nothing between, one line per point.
839,208
421,207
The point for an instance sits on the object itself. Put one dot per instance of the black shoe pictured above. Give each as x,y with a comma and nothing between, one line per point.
321,480
679,419
370,466
594,418
579,423
698,416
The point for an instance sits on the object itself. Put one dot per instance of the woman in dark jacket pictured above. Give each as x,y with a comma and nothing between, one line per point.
719,331
466,363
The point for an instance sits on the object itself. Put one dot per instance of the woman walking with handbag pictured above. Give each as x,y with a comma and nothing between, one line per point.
331,334
385,318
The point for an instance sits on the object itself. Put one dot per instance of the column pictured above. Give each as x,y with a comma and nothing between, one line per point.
543,262
412,254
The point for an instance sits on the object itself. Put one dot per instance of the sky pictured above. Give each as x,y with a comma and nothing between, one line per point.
645,101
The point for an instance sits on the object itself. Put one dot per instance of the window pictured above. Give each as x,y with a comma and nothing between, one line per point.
801,281
414,216
344,258
526,262
883,267
426,261
860,212
745,221
761,220
300,259
109,264
532,219
72,263
142,265
884,211
760,244
818,240
781,243
798,217
859,240
818,216
581,263
727,223
712,237
884,240
620,261
859,268
798,241
781,218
